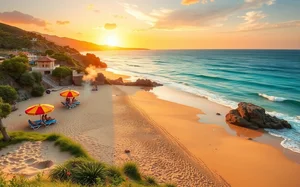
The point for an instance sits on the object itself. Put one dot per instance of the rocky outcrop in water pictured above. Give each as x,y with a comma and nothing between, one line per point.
254,117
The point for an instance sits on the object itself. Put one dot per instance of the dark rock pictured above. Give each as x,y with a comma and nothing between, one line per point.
218,114
250,139
127,151
100,79
118,81
254,117
143,82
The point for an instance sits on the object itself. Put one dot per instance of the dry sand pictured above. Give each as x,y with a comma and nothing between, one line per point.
105,124
30,158
165,139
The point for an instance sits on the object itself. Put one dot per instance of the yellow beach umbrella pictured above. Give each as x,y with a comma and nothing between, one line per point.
39,109
69,93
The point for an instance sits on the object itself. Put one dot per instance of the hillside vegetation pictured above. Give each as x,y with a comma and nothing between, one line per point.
13,38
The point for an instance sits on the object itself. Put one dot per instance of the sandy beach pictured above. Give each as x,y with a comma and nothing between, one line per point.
30,158
165,139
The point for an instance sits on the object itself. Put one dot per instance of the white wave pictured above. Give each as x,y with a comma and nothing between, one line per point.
272,98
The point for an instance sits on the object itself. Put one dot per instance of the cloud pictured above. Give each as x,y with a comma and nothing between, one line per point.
91,7
110,26
253,22
190,2
62,22
150,18
191,18
119,16
21,18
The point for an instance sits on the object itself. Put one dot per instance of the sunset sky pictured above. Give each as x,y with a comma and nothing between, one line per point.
163,24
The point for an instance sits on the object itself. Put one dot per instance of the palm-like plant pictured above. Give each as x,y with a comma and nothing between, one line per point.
60,172
89,173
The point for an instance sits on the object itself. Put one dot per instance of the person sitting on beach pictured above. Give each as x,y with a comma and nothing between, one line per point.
68,100
48,118
74,100
43,118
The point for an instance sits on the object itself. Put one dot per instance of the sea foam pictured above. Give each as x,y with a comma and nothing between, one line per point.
272,98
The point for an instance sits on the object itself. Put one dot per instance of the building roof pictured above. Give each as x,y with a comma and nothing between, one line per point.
45,59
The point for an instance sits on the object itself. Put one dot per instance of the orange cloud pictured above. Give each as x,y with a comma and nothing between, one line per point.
110,26
62,22
190,2
21,18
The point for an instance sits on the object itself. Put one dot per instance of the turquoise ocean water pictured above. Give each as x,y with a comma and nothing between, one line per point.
268,78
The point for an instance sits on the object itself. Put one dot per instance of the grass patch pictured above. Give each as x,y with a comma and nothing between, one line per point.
131,170
150,181
64,143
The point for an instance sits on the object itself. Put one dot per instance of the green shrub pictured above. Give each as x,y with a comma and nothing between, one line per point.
151,181
131,170
49,52
114,176
73,163
61,72
15,67
27,79
37,76
8,94
60,172
37,91
89,173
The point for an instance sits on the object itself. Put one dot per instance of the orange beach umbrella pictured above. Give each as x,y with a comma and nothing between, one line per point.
69,93
39,109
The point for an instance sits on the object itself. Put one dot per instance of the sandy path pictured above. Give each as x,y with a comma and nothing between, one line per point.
31,158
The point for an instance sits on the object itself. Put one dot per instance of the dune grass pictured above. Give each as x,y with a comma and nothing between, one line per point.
64,143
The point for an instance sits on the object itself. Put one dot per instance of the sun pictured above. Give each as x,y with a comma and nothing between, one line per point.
112,40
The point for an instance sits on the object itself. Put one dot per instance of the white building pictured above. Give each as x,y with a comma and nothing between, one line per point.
32,57
45,65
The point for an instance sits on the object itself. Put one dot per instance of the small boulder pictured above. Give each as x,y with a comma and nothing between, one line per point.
218,114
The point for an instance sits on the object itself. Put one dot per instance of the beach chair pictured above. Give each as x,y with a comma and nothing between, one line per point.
49,122
76,103
68,107
34,126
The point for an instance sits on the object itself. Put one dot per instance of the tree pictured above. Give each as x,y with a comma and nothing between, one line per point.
49,52
15,67
61,72
8,94
27,79
23,55
37,91
5,110
37,76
